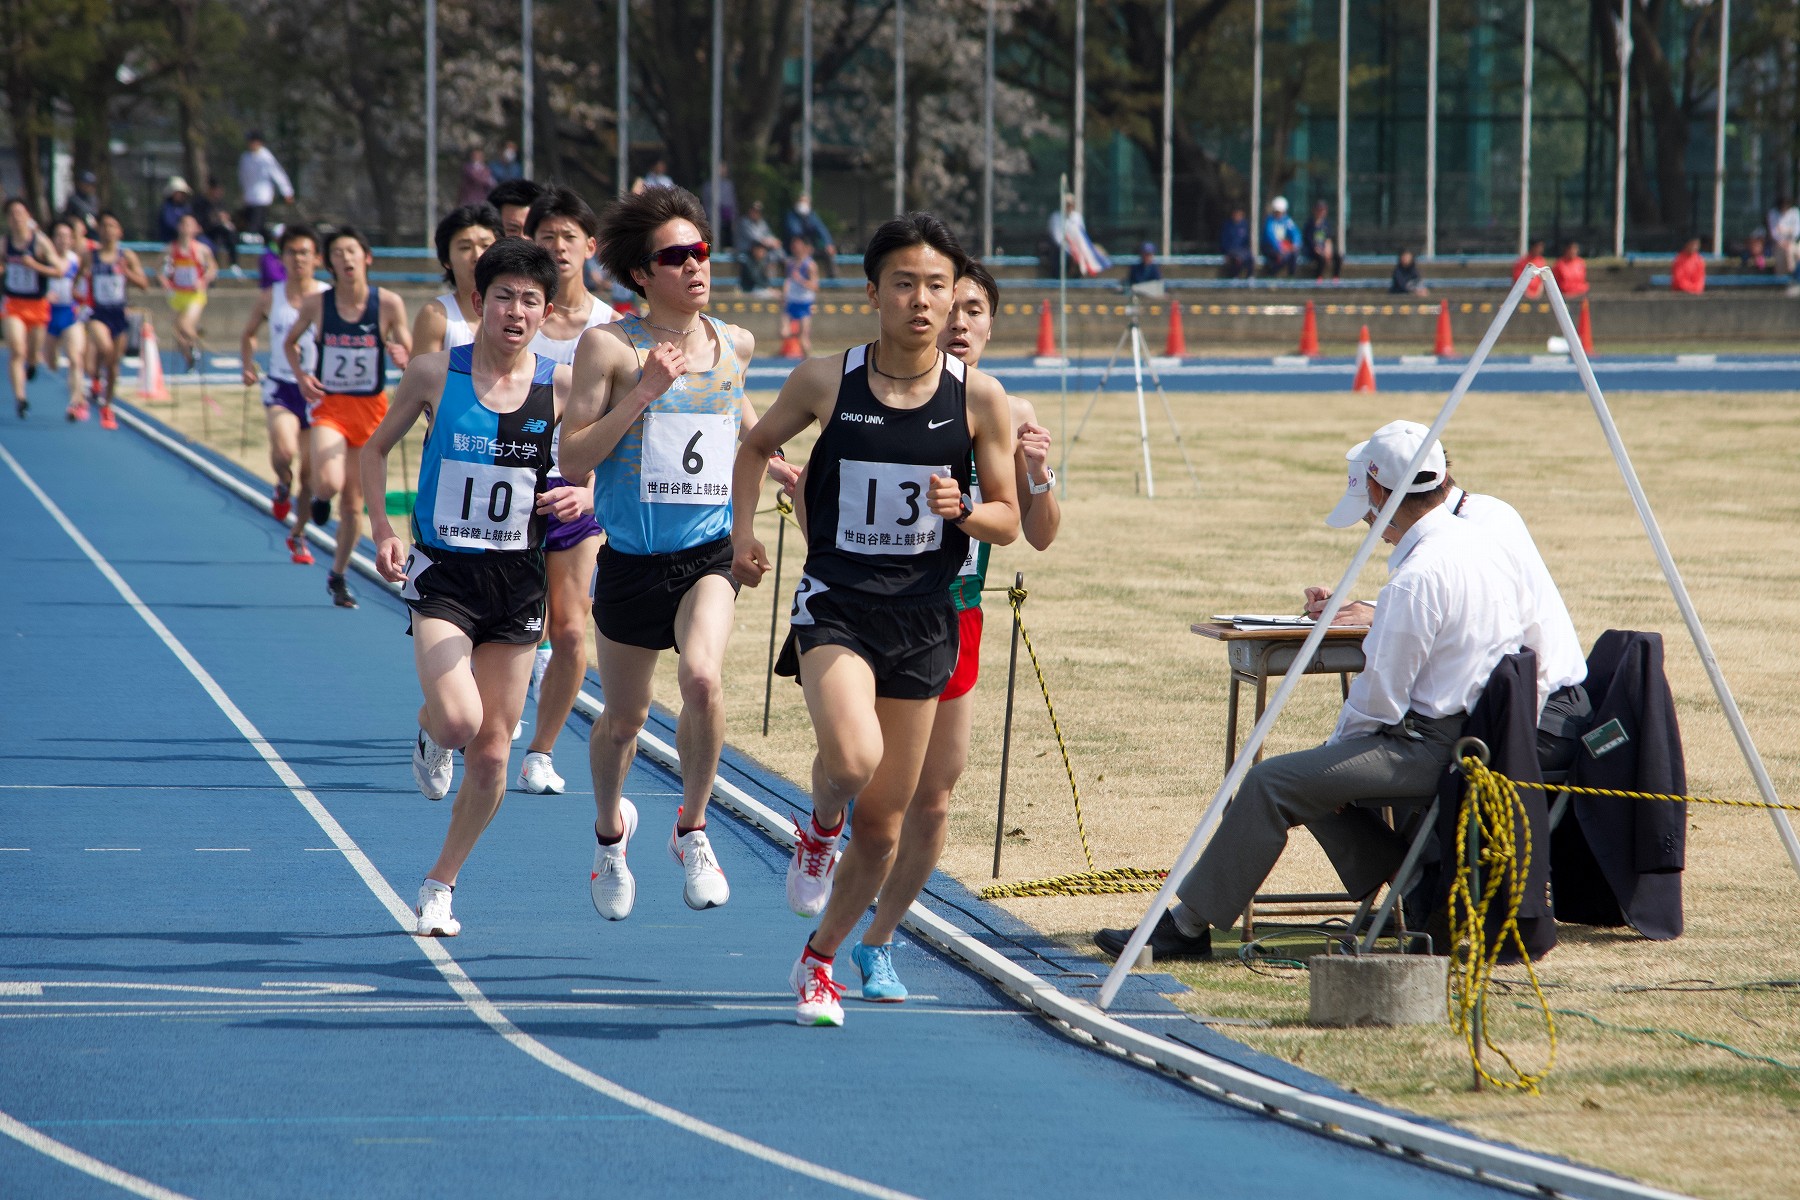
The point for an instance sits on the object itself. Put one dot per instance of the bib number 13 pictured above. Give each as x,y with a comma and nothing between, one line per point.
882,508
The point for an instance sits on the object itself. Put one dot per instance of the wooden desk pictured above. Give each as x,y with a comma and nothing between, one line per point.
1253,656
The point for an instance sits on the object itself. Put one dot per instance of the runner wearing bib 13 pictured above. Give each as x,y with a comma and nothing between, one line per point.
658,407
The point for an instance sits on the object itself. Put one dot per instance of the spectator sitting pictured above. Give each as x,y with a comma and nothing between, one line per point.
753,231
802,221
508,166
1319,245
1570,272
177,203
1784,236
1145,269
84,203
216,225
1234,244
657,176
753,270
1688,274
1534,257
1406,281
1280,240
1755,255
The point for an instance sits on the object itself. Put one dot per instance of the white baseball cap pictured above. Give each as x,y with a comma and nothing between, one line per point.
1386,453
1354,503
1279,204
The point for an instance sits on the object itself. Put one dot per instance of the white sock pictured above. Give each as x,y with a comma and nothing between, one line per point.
1186,921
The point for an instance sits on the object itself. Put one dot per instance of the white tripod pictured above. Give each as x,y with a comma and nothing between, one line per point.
1135,336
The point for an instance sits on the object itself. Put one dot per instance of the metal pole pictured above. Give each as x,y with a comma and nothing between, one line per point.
1012,676
1255,206
1078,147
1168,132
1719,129
987,133
899,106
1343,129
1525,131
623,99
1062,312
806,98
774,614
718,106
1431,102
1624,40
431,123
526,56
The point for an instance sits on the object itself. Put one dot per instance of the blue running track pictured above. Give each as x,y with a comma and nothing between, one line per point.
205,989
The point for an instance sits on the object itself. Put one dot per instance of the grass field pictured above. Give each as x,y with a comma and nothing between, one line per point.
1141,700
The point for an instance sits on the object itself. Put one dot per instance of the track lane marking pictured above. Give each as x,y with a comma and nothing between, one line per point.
452,972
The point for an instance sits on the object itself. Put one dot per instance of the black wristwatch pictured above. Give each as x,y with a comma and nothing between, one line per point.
967,508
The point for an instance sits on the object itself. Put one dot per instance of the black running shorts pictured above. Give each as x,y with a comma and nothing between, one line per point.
909,643
636,595
492,597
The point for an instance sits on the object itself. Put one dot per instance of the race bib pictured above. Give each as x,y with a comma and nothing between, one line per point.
109,290
483,507
970,566
883,508
808,590
187,278
20,278
416,565
349,368
688,458
62,290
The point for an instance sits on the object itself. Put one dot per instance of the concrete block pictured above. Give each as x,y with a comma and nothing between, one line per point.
1377,989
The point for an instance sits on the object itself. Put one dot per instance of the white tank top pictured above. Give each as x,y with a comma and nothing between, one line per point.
563,351
282,316
456,330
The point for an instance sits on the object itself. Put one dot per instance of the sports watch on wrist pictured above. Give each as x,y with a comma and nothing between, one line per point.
1038,489
967,508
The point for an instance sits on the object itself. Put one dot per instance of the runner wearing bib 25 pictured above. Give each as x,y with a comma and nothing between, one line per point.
358,326
474,577
658,407
111,269
873,635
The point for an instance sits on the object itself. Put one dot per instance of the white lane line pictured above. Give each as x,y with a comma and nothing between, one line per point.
114,849
48,1010
69,1156
448,967
15,849
221,849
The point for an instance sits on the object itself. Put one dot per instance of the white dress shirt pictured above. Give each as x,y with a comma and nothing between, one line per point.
1548,630
1451,610
260,176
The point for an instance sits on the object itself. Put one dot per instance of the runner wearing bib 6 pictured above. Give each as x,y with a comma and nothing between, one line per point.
474,577
188,270
873,633
657,408
359,327
111,269
284,408
562,223
25,311
450,319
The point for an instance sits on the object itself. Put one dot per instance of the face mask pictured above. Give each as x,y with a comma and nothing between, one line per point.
803,208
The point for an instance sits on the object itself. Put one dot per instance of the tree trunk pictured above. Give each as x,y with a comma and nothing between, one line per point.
190,105
23,101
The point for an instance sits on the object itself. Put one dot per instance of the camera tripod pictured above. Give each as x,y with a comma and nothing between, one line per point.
1134,336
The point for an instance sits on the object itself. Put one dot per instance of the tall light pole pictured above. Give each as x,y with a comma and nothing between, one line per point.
1431,102
1719,129
528,58
1624,127
1343,127
1525,132
431,125
987,138
623,101
718,106
1168,130
1078,169
1256,71
899,106
806,97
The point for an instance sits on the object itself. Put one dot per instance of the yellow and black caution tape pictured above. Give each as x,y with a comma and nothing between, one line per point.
1090,882
1625,795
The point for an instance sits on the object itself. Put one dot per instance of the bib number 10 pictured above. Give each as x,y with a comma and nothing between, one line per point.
499,500
882,508
483,507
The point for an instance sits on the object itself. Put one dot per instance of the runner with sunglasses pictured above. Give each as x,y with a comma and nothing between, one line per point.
873,634
657,410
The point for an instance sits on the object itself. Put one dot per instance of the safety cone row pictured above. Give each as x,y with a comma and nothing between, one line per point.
150,372
1365,364
1047,355
1446,345
1176,346
1309,333
1584,330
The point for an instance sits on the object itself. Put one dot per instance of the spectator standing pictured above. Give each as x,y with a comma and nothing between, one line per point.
178,202
803,221
1320,243
507,166
260,178
1234,244
1784,236
1280,240
83,205
657,176
723,210
216,225
477,179
1688,274
1145,269
1570,272
1406,281
1533,257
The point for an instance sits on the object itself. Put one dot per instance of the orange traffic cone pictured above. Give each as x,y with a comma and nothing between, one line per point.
790,340
1446,346
1585,330
1365,364
1309,332
150,372
1046,347
1176,346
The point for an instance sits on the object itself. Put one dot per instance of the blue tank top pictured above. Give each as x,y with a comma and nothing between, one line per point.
482,470
352,360
666,486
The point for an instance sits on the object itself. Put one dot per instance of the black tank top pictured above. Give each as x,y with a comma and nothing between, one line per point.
23,280
352,360
870,528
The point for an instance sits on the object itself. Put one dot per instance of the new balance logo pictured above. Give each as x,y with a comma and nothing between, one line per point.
534,625
535,425
939,424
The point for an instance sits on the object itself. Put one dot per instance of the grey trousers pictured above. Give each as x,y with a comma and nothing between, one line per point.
1402,764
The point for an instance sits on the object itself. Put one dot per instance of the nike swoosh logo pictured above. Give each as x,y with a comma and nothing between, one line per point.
939,424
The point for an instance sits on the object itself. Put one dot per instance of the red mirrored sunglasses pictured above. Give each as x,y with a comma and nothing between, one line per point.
674,256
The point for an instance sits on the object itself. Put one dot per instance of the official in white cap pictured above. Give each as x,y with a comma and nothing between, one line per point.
1451,609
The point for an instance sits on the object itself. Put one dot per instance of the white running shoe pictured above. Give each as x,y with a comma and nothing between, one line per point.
818,993
705,886
810,870
433,767
434,911
611,885
539,665
538,775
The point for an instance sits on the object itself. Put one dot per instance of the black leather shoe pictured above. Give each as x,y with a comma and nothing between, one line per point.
1166,941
